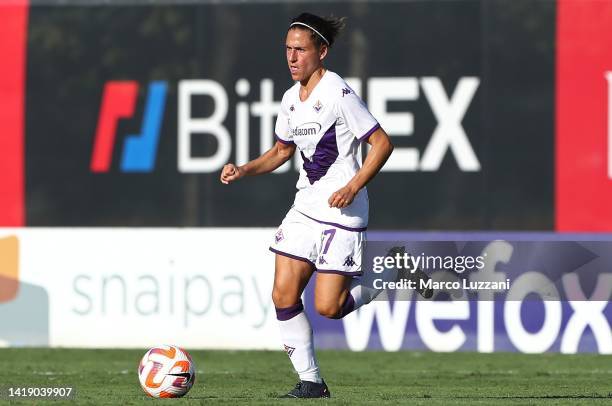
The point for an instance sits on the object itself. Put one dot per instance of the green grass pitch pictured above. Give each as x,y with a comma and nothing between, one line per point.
258,377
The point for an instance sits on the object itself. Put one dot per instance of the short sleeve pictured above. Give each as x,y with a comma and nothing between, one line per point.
281,129
358,119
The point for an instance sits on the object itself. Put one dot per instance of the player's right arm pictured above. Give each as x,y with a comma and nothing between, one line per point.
269,161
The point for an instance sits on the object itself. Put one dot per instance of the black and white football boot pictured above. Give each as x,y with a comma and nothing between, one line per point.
306,389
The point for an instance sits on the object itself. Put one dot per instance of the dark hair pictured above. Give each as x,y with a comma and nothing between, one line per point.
327,27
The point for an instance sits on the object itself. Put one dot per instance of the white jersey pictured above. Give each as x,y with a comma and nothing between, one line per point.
327,130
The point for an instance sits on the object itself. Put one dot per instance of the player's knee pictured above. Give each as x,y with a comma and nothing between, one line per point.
277,297
283,298
330,310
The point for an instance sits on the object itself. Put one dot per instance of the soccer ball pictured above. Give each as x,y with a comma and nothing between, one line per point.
166,371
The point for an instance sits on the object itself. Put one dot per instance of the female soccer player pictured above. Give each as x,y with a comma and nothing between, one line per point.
324,230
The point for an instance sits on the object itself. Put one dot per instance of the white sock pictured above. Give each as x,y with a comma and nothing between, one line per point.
296,334
362,289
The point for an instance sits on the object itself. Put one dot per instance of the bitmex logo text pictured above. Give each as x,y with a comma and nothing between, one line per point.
139,150
448,140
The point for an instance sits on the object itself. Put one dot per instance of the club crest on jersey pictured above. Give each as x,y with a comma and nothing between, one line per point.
318,106
346,90
292,108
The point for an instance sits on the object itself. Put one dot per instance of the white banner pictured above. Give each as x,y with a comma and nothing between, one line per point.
198,288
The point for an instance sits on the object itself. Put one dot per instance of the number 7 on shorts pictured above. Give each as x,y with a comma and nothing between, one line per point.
330,236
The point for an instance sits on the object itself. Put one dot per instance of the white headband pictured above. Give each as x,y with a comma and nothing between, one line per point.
306,25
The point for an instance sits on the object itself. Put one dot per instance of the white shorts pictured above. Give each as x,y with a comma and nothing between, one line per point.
327,247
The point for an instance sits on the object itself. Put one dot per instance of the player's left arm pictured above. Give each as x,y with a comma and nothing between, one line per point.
376,158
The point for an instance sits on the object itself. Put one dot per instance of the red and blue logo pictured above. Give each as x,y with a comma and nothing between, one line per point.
139,150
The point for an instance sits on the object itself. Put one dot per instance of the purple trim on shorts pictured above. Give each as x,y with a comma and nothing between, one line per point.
283,141
285,254
287,313
335,224
343,273
367,135
348,305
